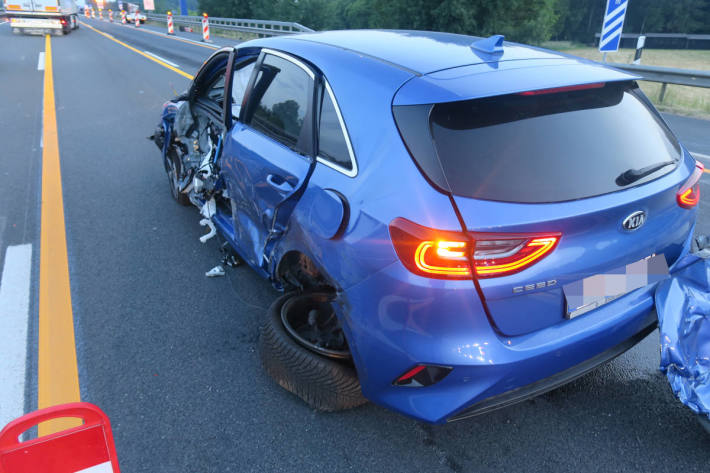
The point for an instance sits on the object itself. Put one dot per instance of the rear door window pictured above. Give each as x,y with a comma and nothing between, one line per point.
547,147
333,145
283,91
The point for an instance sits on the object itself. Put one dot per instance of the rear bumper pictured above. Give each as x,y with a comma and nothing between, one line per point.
410,321
49,23
548,384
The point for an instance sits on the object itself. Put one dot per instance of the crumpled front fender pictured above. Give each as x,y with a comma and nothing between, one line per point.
683,307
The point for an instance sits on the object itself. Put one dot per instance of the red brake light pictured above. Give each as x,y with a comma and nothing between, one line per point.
431,253
689,195
569,88
447,255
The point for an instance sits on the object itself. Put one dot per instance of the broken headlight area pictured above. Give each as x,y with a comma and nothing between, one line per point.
683,307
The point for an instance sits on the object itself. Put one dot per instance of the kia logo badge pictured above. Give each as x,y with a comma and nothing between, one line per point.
634,221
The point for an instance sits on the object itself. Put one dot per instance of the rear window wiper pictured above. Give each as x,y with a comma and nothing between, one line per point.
632,175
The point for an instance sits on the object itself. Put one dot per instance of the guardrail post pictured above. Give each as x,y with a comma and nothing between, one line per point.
663,93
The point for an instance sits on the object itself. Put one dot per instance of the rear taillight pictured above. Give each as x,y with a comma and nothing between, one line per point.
689,195
448,255
429,252
508,255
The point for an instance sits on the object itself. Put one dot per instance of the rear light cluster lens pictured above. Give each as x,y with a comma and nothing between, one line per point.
448,255
431,253
510,256
689,195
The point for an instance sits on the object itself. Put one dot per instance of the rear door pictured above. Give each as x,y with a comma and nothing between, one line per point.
268,154
544,181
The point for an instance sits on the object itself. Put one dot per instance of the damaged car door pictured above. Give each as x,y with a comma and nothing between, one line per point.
269,152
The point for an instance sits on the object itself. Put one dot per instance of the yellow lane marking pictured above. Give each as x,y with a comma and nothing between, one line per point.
706,170
164,64
58,377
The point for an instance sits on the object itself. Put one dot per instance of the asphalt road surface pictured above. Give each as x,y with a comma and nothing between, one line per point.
170,355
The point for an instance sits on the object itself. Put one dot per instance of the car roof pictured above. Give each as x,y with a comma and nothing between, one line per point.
420,52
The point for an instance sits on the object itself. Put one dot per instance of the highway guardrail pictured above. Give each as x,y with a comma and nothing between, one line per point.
666,75
262,27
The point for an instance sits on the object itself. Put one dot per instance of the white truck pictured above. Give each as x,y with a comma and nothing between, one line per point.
42,16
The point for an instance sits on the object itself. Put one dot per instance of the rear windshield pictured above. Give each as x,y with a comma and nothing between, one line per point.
541,147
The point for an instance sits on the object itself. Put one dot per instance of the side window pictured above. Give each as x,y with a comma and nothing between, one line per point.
240,80
283,91
332,143
215,91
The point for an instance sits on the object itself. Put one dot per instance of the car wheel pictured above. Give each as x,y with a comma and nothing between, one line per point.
325,381
181,198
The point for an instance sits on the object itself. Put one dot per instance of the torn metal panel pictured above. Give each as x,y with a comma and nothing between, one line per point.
683,306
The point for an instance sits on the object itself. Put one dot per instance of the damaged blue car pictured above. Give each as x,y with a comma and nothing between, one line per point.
457,223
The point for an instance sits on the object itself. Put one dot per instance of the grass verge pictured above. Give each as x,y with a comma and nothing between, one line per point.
684,100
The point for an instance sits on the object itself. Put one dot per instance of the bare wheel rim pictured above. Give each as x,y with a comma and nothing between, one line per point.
172,179
312,322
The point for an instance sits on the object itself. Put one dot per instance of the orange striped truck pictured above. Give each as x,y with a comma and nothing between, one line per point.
42,16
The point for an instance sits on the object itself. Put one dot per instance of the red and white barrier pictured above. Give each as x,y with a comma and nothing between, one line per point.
110,15
171,27
136,21
123,16
206,28
86,448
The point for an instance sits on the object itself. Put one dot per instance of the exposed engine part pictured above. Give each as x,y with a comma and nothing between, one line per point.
216,272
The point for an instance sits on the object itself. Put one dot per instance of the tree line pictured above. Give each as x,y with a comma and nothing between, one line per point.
529,21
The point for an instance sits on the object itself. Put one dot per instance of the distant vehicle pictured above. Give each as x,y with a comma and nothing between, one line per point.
42,16
130,17
456,229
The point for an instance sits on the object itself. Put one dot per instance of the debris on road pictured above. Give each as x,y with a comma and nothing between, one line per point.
216,272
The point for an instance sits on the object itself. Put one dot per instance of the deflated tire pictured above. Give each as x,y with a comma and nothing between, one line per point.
325,384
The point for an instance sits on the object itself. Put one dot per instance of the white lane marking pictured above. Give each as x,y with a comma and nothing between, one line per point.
40,61
14,315
700,155
101,468
161,59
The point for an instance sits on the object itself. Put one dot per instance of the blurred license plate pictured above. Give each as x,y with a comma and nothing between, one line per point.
595,291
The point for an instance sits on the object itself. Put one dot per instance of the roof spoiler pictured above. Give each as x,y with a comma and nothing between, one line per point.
491,45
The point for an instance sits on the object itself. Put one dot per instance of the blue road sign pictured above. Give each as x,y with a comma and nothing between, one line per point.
613,24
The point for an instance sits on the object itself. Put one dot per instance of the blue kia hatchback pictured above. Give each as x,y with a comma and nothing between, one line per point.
457,223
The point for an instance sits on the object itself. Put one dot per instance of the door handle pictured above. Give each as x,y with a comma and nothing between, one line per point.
279,183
